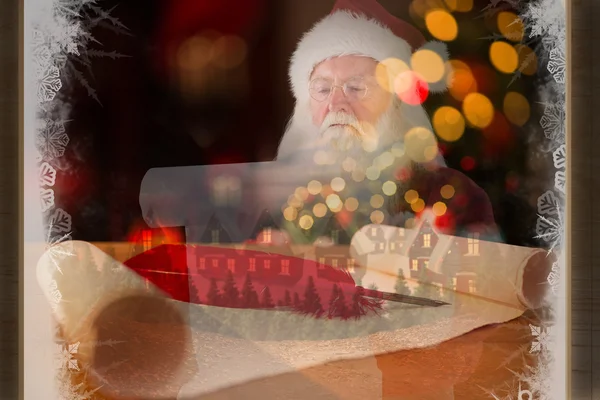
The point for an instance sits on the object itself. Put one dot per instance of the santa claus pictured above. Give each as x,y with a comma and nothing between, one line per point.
355,98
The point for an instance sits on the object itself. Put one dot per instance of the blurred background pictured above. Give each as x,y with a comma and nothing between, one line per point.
196,82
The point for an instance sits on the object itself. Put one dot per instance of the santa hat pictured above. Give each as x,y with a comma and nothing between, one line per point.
354,27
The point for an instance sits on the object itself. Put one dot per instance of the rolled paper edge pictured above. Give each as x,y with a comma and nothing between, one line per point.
532,279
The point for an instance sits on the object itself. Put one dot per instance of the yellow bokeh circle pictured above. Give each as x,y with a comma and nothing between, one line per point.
411,196
418,205
420,144
429,65
528,62
306,222
439,208
351,204
442,25
389,188
510,26
388,70
334,202
516,108
504,57
377,217
478,110
314,187
448,123
290,213
447,191
338,184
377,201
320,210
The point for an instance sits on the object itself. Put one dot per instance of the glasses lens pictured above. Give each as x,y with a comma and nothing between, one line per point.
355,89
320,89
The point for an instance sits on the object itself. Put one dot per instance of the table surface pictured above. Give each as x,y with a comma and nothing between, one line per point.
472,366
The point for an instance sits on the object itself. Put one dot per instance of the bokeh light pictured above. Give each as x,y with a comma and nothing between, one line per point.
418,205
411,88
467,163
398,149
306,222
193,54
290,213
429,65
228,51
516,108
510,26
420,144
504,57
411,196
377,201
478,110
372,173
389,188
386,159
338,184
314,187
334,202
301,193
439,209
410,223
295,201
351,204
349,164
460,81
358,175
319,210
442,25
459,5
387,71
377,217
447,191
528,62
448,123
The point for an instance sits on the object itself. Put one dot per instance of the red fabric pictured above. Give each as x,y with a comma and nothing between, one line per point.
372,9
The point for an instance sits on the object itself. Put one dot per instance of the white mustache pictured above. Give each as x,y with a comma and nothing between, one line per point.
340,118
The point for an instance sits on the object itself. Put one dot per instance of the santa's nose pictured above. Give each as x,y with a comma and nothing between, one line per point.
338,101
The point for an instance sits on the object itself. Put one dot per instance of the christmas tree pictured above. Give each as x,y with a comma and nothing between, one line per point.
231,295
267,300
312,300
337,304
213,297
249,296
401,287
426,288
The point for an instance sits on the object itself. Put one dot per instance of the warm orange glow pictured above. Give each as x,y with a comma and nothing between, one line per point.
461,81
418,205
338,184
504,57
377,201
420,144
439,209
306,222
511,26
301,193
351,204
528,62
228,51
319,210
447,191
411,196
516,108
478,110
377,217
448,123
388,70
334,202
429,65
314,187
290,213
193,54
442,25
389,188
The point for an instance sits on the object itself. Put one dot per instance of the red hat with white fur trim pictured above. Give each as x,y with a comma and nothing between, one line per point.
355,27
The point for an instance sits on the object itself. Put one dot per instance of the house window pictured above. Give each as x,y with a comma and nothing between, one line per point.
426,263
252,264
285,267
267,235
202,263
472,286
226,190
231,264
215,236
382,246
215,263
415,265
350,264
454,282
473,244
427,240
334,262
373,231
322,262
335,235
147,239
267,264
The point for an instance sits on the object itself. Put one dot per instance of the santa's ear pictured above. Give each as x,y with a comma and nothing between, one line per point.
428,65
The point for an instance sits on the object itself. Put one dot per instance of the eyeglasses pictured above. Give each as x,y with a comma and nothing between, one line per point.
354,89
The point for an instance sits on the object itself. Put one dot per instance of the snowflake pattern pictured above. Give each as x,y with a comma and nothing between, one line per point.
47,175
55,295
55,253
550,230
46,199
49,84
540,341
554,278
52,140
552,122
557,65
560,162
65,356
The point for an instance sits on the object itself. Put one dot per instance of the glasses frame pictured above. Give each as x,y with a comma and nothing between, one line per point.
333,87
